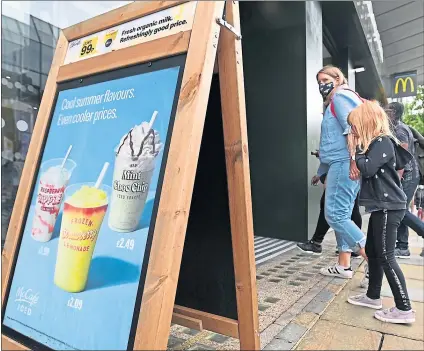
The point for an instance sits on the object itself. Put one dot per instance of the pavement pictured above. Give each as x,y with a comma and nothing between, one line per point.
299,309
346,327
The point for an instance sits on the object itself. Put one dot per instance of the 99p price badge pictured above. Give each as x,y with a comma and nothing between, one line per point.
88,47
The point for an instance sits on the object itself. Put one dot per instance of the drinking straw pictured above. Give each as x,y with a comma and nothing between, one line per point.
66,157
152,120
101,175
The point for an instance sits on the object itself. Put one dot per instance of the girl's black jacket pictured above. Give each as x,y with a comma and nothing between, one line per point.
381,187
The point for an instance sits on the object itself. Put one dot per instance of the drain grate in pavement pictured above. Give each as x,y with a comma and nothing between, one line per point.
220,339
295,283
191,332
262,307
173,342
271,299
302,279
201,347
294,269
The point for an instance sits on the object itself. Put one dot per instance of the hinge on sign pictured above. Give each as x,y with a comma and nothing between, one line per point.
225,24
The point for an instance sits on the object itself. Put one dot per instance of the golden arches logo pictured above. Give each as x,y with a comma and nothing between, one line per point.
404,82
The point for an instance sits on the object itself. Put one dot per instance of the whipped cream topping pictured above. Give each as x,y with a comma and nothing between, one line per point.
140,142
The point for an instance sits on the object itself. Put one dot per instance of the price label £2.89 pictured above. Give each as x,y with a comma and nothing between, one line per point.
88,47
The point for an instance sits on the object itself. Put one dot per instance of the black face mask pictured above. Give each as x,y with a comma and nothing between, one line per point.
325,89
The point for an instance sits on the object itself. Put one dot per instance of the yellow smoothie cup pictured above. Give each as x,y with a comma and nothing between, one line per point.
84,209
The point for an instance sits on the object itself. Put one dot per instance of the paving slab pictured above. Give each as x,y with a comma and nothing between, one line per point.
306,319
340,311
415,260
292,332
415,250
415,289
395,343
279,344
411,271
326,335
269,333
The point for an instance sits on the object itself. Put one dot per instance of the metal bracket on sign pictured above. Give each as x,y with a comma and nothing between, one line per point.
225,24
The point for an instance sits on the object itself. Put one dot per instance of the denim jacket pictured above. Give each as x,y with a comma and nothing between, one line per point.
334,129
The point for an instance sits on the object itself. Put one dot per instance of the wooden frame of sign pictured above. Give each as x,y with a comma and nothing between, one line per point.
201,45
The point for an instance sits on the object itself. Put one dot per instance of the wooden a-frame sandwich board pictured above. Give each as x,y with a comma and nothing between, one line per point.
200,42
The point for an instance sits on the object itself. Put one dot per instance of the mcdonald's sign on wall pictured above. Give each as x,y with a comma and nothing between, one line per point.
404,84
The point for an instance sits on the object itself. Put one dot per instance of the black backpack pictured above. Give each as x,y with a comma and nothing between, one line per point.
419,151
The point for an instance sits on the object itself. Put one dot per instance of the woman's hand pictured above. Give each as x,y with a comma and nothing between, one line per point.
354,173
315,180
352,144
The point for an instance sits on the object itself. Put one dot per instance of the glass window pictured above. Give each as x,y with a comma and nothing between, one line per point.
44,32
43,82
41,26
30,30
46,58
32,78
6,68
32,56
10,24
47,39
11,53
12,37
55,32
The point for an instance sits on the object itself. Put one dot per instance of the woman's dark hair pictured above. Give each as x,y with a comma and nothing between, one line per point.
395,111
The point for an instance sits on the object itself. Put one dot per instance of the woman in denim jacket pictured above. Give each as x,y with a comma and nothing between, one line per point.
338,163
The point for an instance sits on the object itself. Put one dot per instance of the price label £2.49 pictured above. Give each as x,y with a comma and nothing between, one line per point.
88,47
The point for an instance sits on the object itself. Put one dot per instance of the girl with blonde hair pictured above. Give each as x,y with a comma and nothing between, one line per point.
379,157
342,185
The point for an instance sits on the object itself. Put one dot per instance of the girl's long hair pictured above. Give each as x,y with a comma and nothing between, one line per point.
335,73
370,122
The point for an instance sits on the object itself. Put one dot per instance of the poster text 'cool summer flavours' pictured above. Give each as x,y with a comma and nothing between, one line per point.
79,264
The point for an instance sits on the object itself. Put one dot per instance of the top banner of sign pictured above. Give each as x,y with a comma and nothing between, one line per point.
155,26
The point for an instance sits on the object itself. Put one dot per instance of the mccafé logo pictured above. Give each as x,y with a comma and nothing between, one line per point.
403,83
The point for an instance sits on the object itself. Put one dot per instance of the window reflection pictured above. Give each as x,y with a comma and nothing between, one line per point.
29,35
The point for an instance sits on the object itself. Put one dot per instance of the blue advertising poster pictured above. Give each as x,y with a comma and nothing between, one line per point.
78,270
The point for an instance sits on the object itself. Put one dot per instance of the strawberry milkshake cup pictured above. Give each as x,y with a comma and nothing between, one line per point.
54,178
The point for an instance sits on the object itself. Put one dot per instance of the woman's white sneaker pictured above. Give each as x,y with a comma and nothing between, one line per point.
337,271
396,316
365,301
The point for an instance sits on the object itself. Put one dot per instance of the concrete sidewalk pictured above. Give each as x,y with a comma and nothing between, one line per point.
301,309
343,326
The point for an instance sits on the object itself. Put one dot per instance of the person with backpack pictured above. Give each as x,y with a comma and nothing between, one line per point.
419,151
379,157
410,179
337,162
419,156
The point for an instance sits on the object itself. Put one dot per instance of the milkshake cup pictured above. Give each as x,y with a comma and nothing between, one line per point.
54,177
134,166
84,209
